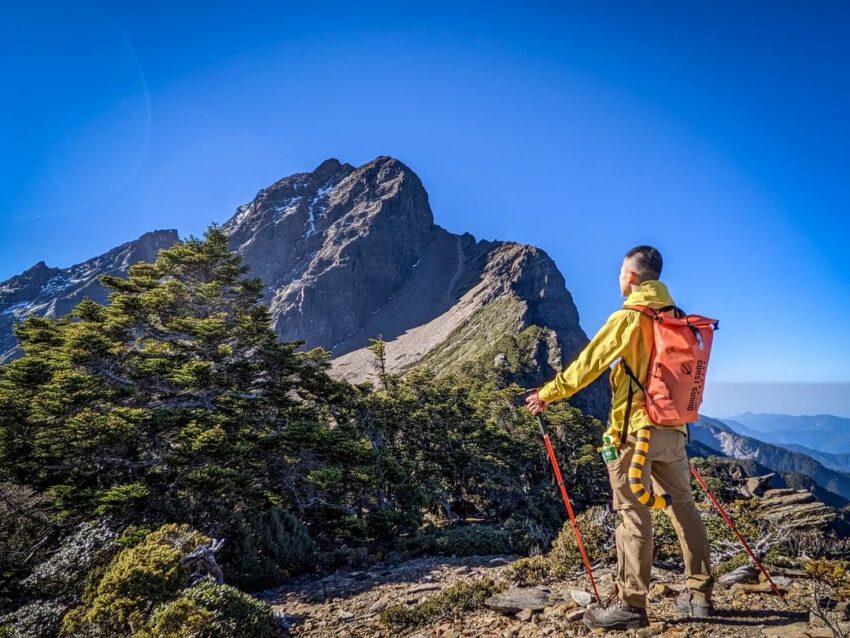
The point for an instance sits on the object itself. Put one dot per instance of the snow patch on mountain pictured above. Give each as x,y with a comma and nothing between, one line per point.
286,207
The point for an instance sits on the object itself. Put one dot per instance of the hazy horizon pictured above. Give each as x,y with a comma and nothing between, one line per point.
726,400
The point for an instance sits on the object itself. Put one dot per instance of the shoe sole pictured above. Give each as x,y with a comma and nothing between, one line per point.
634,624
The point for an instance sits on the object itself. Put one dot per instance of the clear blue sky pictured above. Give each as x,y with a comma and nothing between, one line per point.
719,132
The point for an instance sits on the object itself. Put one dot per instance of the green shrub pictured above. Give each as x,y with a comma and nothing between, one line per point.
347,557
120,498
525,572
525,536
135,581
564,557
473,540
730,564
267,547
212,611
458,599
179,618
596,526
132,536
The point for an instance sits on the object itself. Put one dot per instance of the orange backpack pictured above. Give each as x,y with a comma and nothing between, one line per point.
677,366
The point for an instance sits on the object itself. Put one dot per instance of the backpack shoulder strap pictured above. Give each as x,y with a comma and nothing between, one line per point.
644,310
655,313
632,376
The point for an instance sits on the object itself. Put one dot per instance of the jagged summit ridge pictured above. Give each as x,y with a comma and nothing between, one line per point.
351,253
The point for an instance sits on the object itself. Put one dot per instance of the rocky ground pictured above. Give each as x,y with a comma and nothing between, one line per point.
349,603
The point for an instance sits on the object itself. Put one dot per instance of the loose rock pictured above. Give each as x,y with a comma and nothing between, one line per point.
516,599
581,598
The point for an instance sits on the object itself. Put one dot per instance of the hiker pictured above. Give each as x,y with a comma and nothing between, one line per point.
627,338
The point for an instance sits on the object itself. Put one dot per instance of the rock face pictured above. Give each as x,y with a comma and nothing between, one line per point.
797,509
53,292
350,254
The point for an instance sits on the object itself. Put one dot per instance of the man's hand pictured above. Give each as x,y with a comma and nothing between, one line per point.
534,404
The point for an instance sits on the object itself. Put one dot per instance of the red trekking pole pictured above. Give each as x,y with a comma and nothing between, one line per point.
560,480
734,529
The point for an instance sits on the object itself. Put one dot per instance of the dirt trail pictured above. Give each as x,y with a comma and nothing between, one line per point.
348,603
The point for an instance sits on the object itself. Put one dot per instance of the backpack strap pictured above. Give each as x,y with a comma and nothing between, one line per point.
632,377
655,313
624,431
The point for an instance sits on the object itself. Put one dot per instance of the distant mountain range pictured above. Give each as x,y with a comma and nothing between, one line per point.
839,462
352,253
796,469
823,433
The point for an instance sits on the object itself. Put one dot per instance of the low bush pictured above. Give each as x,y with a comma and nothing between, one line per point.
597,529
137,579
525,572
473,540
564,557
266,547
730,564
458,599
63,575
212,611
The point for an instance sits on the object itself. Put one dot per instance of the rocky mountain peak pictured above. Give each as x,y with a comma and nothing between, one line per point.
352,253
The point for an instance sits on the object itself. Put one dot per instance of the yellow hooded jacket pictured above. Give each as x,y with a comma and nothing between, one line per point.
627,335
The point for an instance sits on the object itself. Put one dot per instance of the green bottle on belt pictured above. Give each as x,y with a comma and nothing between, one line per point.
609,452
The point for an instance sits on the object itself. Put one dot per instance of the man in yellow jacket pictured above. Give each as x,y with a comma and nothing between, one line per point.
627,337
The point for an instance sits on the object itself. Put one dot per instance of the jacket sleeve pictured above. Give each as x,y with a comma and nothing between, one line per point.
607,346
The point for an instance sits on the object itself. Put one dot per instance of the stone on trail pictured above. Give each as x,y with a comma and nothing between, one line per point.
756,588
582,598
745,574
423,587
525,615
379,605
661,590
517,599
573,616
792,630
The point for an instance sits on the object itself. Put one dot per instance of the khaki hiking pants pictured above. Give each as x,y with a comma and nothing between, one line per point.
667,464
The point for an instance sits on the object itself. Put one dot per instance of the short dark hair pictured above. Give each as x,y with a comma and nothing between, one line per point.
648,262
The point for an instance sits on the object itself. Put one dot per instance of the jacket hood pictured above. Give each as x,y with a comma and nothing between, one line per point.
652,293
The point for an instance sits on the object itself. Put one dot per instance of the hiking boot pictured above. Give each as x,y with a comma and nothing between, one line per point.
695,604
618,616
